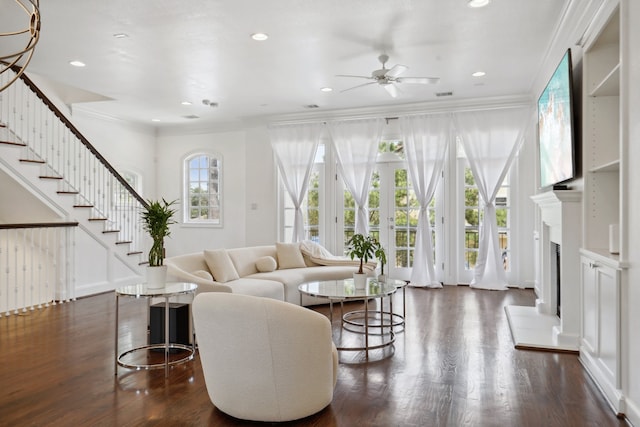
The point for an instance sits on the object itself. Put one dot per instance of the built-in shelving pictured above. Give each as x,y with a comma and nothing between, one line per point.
610,85
603,256
601,137
613,166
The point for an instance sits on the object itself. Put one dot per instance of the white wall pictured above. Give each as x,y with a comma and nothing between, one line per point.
125,146
631,295
231,147
261,197
522,234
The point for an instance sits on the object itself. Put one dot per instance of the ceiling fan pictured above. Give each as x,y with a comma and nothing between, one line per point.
387,77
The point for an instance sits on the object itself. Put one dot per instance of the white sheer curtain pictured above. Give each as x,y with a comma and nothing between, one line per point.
491,140
356,145
295,149
426,139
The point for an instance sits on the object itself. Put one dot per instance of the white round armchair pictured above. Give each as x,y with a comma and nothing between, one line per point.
264,360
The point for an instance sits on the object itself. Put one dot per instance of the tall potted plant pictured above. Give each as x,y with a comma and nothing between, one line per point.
156,218
364,248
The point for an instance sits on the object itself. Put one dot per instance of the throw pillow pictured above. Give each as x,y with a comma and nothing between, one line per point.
289,256
203,274
220,265
266,264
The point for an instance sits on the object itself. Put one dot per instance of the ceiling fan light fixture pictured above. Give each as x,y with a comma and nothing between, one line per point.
477,3
259,36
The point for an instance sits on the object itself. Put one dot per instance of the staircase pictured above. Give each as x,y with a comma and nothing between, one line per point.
42,150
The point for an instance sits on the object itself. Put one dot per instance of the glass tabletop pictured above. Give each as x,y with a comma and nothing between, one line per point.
346,289
143,290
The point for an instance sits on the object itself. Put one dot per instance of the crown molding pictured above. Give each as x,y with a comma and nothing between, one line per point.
394,111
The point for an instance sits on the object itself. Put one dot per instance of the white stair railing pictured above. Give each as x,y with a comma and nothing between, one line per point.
30,119
37,265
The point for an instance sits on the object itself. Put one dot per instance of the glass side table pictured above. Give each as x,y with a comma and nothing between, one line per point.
141,290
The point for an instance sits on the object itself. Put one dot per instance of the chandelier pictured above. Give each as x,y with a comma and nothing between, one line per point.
18,57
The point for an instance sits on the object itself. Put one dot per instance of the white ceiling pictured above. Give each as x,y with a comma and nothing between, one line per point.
192,50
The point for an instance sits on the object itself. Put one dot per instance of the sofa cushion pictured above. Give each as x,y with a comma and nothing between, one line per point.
293,277
289,256
203,274
266,264
244,259
258,287
220,265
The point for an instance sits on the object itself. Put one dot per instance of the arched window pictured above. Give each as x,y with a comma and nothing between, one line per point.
203,189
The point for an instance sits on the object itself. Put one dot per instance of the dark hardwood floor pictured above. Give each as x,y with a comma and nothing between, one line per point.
454,365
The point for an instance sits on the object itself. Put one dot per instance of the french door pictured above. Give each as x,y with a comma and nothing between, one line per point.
393,218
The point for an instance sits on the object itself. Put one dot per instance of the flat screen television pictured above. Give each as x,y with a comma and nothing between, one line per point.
556,133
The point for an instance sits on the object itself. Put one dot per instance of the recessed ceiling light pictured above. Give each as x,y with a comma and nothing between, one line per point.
477,3
478,74
259,36
326,89
120,35
77,63
155,120
186,103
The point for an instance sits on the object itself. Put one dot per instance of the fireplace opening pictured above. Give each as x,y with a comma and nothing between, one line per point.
555,274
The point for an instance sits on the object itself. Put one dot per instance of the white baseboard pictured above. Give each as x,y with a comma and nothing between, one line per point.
613,396
633,413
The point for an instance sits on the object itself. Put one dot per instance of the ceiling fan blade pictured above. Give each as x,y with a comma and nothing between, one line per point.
396,70
392,89
418,80
350,75
356,87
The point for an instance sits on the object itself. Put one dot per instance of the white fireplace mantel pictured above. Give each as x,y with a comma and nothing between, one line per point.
539,326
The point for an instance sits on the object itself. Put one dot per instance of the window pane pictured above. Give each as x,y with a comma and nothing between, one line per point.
203,172
501,217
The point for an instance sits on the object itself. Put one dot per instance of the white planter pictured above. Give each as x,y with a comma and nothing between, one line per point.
157,277
360,280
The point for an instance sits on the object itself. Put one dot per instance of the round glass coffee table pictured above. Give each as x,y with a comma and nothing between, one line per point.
343,291
383,318
142,290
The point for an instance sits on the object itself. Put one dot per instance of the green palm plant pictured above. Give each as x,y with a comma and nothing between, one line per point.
362,247
156,218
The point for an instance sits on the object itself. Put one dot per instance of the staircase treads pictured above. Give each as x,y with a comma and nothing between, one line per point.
40,162
124,242
110,231
97,219
50,177
19,144
143,263
82,206
68,192
136,253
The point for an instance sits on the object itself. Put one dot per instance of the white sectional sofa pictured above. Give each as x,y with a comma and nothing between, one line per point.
273,271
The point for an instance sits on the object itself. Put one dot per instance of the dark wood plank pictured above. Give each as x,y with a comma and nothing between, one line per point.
453,365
